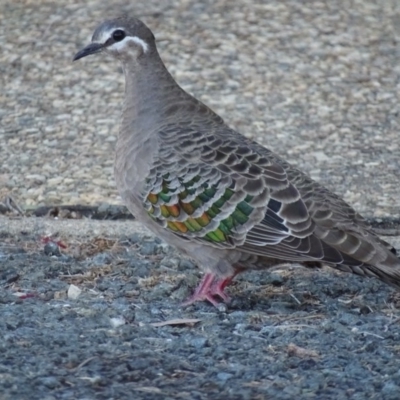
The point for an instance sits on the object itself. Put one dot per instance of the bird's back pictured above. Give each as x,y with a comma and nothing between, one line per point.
211,184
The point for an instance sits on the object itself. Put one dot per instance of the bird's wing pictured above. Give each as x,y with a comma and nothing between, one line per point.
230,192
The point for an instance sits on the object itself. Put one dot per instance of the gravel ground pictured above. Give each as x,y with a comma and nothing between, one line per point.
100,318
317,81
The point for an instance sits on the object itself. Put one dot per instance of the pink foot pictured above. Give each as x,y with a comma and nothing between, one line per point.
210,287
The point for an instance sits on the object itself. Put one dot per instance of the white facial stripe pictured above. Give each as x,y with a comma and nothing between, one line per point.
123,43
120,45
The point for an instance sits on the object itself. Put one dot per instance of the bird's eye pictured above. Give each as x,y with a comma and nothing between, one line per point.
118,35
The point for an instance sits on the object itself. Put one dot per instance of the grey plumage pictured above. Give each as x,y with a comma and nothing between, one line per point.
224,200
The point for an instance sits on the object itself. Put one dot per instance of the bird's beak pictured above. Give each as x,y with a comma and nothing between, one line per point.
91,48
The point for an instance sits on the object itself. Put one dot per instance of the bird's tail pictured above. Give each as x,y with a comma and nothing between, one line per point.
385,265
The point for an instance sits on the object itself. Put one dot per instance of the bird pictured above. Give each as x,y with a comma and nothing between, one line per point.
223,200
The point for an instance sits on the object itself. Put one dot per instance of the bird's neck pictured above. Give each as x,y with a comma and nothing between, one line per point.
154,100
150,92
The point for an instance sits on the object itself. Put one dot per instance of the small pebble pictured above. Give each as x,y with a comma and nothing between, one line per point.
148,248
52,249
50,382
73,292
199,343
116,322
224,376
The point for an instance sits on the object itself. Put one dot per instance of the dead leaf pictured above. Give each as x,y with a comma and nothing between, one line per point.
148,389
178,321
301,352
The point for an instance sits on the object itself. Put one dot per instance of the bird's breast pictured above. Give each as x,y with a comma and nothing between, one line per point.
134,158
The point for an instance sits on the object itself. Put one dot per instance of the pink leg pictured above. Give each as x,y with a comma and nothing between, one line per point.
209,287
219,286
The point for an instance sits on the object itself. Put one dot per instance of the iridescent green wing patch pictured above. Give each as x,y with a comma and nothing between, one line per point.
194,209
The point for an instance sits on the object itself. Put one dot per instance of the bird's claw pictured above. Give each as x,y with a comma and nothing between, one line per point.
209,288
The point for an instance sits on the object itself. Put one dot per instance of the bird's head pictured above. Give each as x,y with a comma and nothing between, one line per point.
124,38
